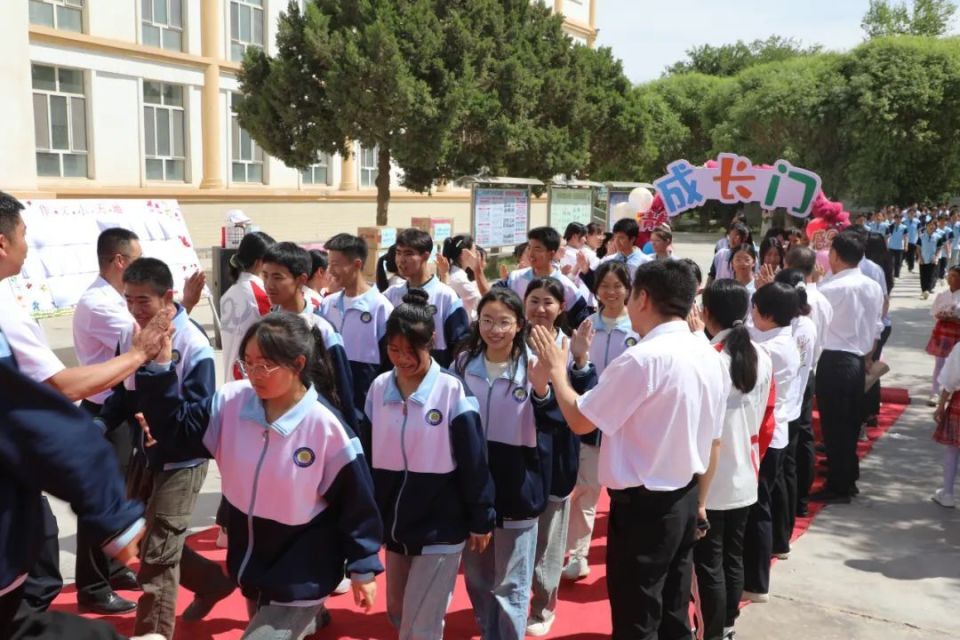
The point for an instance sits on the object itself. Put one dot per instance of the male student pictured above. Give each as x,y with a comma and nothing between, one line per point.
167,481
453,323
625,232
660,407
358,312
897,242
914,227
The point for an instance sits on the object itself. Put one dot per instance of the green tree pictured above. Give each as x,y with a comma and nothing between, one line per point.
927,18
731,59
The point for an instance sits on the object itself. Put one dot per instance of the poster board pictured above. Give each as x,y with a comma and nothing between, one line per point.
569,204
499,215
62,247
618,192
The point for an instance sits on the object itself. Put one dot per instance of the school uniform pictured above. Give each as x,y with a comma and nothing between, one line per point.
857,303
720,268
569,257
929,250
518,428
954,244
896,242
361,322
433,488
451,318
241,306
660,407
946,242
574,304
299,496
636,258
913,236
466,289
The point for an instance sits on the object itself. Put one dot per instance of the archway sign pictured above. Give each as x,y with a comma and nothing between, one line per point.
732,179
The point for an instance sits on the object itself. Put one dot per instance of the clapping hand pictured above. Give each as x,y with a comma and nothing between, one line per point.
551,357
150,340
193,289
695,319
766,275
443,268
580,342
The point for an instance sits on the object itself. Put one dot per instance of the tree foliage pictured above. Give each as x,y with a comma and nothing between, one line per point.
927,18
731,59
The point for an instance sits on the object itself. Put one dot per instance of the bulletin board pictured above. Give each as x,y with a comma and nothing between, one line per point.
500,216
62,238
568,205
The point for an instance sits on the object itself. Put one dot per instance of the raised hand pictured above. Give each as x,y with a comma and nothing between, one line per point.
554,358
443,268
150,340
193,289
695,319
580,342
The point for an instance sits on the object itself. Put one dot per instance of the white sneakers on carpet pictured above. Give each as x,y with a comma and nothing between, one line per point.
541,628
343,587
944,499
576,569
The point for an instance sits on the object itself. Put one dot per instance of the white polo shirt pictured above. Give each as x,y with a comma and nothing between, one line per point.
660,406
821,312
857,303
781,346
26,339
99,320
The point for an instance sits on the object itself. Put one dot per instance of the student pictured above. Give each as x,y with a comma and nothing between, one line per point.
577,258
607,246
168,481
429,461
662,240
245,301
897,242
544,242
743,264
945,240
771,253
947,433
914,226
519,416
774,308
928,252
614,335
464,263
738,234
625,232
595,237
318,285
453,322
293,474
946,331
386,269
358,312
718,557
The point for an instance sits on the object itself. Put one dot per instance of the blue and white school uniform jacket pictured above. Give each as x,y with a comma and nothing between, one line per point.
48,444
929,247
451,318
429,460
574,304
611,339
195,368
298,492
362,327
519,435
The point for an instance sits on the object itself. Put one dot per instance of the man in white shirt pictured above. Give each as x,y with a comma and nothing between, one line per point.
660,407
849,342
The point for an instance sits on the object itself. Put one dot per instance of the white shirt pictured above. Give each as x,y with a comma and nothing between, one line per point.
466,288
660,407
722,268
782,349
27,341
240,307
738,462
569,257
946,302
949,378
805,334
821,312
99,320
857,303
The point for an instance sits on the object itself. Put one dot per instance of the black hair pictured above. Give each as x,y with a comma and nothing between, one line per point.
593,228
354,247
416,239
795,279
152,272
876,251
547,236
519,250
694,267
771,242
670,285
664,232
743,231
318,260
473,345
774,232
283,337
848,247
112,241
574,229
413,320
252,247
743,246
602,249
615,267
628,227
292,256
727,301
10,209
802,258
778,301
454,246
555,289
386,263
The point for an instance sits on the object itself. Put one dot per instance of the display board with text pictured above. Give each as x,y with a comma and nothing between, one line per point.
569,205
500,216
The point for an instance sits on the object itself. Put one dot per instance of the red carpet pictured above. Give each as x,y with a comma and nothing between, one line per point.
583,612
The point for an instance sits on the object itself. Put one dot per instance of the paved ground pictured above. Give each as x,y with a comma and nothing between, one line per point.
885,567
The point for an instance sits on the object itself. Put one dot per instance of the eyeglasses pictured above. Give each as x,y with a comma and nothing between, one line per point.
249,370
489,324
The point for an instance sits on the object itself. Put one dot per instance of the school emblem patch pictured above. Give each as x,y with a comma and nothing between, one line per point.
175,356
630,341
434,417
520,394
304,457
365,317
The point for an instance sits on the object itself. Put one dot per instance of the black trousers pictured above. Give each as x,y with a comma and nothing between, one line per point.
840,377
806,453
871,402
928,276
44,581
650,562
718,560
783,508
942,267
758,538
911,255
897,255
48,625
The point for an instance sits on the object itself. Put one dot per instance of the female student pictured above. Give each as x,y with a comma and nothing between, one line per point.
519,416
431,478
298,491
464,263
246,299
743,265
946,332
771,252
718,557
614,335
947,433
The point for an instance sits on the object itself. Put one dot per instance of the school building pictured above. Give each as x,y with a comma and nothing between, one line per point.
131,99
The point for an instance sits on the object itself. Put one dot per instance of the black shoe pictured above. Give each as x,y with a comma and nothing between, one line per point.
125,581
111,604
830,497
203,605
803,511
854,489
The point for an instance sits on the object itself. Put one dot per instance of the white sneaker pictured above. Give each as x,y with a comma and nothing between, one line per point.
924,295
933,401
541,628
728,633
944,499
343,587
782,556
576,569
756,598
222,539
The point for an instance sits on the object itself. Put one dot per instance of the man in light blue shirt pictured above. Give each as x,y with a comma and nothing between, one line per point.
913,234
897,233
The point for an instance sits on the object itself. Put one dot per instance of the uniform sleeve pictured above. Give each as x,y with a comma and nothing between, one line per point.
473,472
456,327
200,377
35,358
607,406
179,425
344,378
385,312
577,311
582,380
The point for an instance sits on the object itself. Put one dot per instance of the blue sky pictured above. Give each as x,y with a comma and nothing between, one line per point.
649,35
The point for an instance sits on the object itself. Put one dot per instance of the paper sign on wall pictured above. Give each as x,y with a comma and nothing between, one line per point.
500,216
570,205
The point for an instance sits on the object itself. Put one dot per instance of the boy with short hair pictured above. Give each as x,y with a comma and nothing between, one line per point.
414,247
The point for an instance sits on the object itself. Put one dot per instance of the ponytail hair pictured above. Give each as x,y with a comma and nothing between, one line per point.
454,246
726,301
796,279
253,247
413,320
386,262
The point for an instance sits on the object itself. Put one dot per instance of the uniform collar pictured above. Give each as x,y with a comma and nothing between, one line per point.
180,318
423,391
666,328
476,367
427,286
622,324
721,336
286,424
763,336
359,303
246,276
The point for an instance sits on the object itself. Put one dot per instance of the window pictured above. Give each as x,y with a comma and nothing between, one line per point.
368,167
245,154
246,26
164,134
162,22
59,121
318,174
59,14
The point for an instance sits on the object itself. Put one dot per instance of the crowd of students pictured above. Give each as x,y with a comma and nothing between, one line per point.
454,421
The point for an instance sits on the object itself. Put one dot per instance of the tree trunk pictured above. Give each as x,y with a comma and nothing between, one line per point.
383,185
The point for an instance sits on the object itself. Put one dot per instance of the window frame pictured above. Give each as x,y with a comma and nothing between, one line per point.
57,5
169,110
372,171
163,28
235,40
326,162
70,108
235,152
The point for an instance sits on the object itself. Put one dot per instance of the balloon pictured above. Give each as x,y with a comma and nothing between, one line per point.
622,210
641,199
